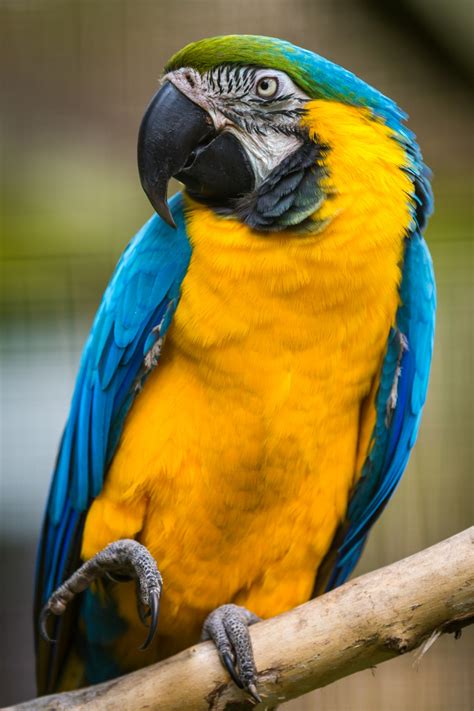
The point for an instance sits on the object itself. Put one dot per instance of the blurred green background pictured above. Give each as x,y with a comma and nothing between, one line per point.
76,76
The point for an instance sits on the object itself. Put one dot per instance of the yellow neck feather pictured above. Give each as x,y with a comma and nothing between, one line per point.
354,260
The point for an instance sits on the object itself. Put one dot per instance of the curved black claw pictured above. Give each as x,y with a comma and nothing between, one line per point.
56,605
229,665
43,625
154,604
252,690
228,628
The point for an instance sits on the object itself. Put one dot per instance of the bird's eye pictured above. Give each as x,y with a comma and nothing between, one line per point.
267,87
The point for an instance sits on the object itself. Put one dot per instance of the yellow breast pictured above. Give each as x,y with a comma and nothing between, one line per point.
237,457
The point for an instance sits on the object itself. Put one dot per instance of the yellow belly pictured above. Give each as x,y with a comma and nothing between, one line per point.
237,458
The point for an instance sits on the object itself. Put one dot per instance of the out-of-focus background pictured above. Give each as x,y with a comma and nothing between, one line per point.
76,76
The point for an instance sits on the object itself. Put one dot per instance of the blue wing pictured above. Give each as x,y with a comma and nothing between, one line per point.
401,394
135,312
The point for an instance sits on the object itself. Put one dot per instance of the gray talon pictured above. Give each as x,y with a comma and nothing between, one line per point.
122,559
228,627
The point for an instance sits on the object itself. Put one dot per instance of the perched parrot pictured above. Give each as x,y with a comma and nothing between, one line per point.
254,378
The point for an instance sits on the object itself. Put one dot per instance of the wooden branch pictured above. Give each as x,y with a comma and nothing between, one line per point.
367,621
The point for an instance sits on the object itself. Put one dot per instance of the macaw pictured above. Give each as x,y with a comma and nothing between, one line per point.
254,379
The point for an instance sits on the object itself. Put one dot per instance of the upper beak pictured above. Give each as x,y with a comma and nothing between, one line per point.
178,138
171,128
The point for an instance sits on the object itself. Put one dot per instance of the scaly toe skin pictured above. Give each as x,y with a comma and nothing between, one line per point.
228,627
122,559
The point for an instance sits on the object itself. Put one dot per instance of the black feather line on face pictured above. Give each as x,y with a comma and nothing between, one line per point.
236,83
261,122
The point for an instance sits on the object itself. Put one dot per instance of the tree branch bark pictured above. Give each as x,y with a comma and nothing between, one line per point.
365,622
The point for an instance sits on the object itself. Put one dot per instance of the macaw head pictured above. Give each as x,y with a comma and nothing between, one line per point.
230,121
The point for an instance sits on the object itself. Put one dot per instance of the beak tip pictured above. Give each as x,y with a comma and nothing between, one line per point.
165,214
160,204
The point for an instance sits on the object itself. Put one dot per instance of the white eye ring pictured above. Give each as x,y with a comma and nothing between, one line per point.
267,87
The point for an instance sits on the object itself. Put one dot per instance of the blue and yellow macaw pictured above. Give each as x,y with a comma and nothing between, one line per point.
254,378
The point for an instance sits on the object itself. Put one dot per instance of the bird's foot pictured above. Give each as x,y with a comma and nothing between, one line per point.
227,626
125,559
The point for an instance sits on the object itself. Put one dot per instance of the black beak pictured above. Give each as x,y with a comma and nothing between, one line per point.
178,138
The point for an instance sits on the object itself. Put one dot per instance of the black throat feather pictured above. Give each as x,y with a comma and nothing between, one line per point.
286,198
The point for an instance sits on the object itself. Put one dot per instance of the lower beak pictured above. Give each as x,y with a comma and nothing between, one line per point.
178,138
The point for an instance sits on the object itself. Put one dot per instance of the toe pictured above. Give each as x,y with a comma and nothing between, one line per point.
228,628
239,637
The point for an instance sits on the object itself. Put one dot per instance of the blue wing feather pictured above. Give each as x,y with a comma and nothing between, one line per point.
393,437
143,293
392,441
